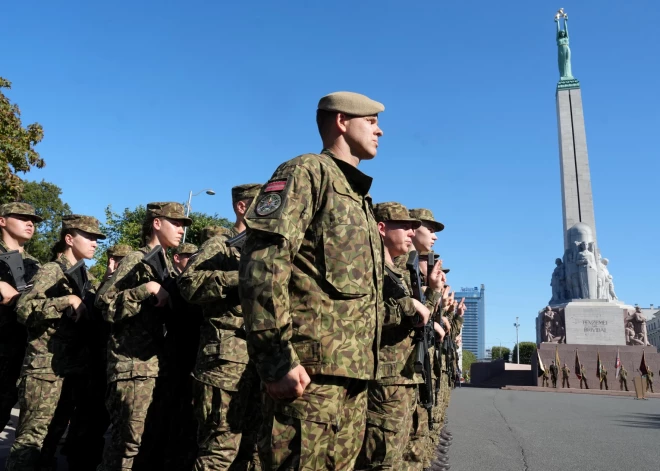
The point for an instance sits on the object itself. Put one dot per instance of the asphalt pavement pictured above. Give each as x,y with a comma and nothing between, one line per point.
504,430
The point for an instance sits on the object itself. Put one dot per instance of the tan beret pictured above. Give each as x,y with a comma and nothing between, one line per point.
350,103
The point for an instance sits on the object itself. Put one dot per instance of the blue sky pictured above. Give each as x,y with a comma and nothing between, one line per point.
145,101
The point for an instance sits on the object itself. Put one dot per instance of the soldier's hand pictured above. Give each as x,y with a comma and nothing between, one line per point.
8,293
446,323
158,292
423,313
78,307
461,307
291,385
435,279
439,330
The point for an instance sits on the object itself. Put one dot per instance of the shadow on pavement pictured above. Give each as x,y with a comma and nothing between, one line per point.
641,421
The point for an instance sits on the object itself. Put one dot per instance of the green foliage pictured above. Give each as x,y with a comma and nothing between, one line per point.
468,359
45,197
527,350
126,228
17,143
499,352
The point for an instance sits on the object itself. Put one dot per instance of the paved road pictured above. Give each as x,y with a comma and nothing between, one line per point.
534,431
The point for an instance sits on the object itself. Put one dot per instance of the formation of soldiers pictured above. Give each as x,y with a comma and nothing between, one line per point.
317,333
602,377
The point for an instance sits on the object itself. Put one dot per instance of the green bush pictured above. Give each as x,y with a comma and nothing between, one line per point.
527,350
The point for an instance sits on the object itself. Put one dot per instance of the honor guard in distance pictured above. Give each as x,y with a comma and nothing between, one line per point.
311,276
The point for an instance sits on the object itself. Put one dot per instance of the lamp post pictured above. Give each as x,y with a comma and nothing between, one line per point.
516,325
209,192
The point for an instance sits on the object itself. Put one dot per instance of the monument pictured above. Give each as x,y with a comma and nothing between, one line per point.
584,312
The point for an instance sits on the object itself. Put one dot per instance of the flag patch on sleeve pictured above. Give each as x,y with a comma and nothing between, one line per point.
277,185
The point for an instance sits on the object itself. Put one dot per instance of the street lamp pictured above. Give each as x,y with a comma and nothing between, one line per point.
516,325
209,192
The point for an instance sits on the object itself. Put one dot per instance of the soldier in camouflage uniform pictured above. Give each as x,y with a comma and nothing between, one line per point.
565,375
136,304
623,378
546,378
17,226
181,256
603,379
56,357
649,380
85,439
392,399
583,378
225,381
311,275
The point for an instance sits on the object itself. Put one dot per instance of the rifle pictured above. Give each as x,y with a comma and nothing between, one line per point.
424,339
156,260
12,270
237,241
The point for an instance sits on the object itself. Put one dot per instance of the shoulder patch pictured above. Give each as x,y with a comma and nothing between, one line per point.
268,204
277,185
272,199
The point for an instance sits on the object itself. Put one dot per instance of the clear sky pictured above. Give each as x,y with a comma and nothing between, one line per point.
146,100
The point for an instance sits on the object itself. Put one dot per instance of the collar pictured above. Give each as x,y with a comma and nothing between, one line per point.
360,182
64,262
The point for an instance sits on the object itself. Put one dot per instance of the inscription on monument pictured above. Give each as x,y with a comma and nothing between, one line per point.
594,325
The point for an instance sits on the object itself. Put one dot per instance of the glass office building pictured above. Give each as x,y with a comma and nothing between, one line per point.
474,320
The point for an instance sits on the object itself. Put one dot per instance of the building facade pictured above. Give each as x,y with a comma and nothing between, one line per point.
653,325
474,320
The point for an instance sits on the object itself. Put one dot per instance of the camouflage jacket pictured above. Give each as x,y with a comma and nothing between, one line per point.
56,344
623,374
565,371
396,356
211,281
137,335
10,342
311,271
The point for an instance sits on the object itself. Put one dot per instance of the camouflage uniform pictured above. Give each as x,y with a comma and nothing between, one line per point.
649,380
603,379
56,359
310,285
225,382
546,378
13,335
623,378
392,399
583,374
565,374
135,348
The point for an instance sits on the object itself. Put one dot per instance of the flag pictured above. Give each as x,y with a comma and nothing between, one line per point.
642,366
577,365
557,362
617,364
541,366
599,367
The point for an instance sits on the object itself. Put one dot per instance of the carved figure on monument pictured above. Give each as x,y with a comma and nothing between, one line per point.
554,330
587,272
564,51
580,263
636,322
558,283
608,287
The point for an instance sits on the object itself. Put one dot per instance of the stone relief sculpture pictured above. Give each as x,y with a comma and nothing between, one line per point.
558,283
587,272
605,282
636,333
553,329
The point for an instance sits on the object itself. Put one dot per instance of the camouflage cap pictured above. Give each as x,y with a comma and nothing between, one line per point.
212,231
119,250
169,210
394,212
350,103
86,224
20,209
186,249
425,215
244,192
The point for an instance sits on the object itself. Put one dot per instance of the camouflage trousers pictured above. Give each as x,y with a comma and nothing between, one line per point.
227,425
389,421
10,371
38,400
322,430
128,402
414,456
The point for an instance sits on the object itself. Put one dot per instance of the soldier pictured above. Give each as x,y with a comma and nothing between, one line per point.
90,419
623,378
135,304
311,274
546,378
224,380
423,445
17,226
583,374
565,372
649,380
603,378
392,399
56,356
181,256
554,373
212,231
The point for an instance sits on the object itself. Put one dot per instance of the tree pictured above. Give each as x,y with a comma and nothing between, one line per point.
527,350
45,197
499,352
468,359
126,228
17,143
